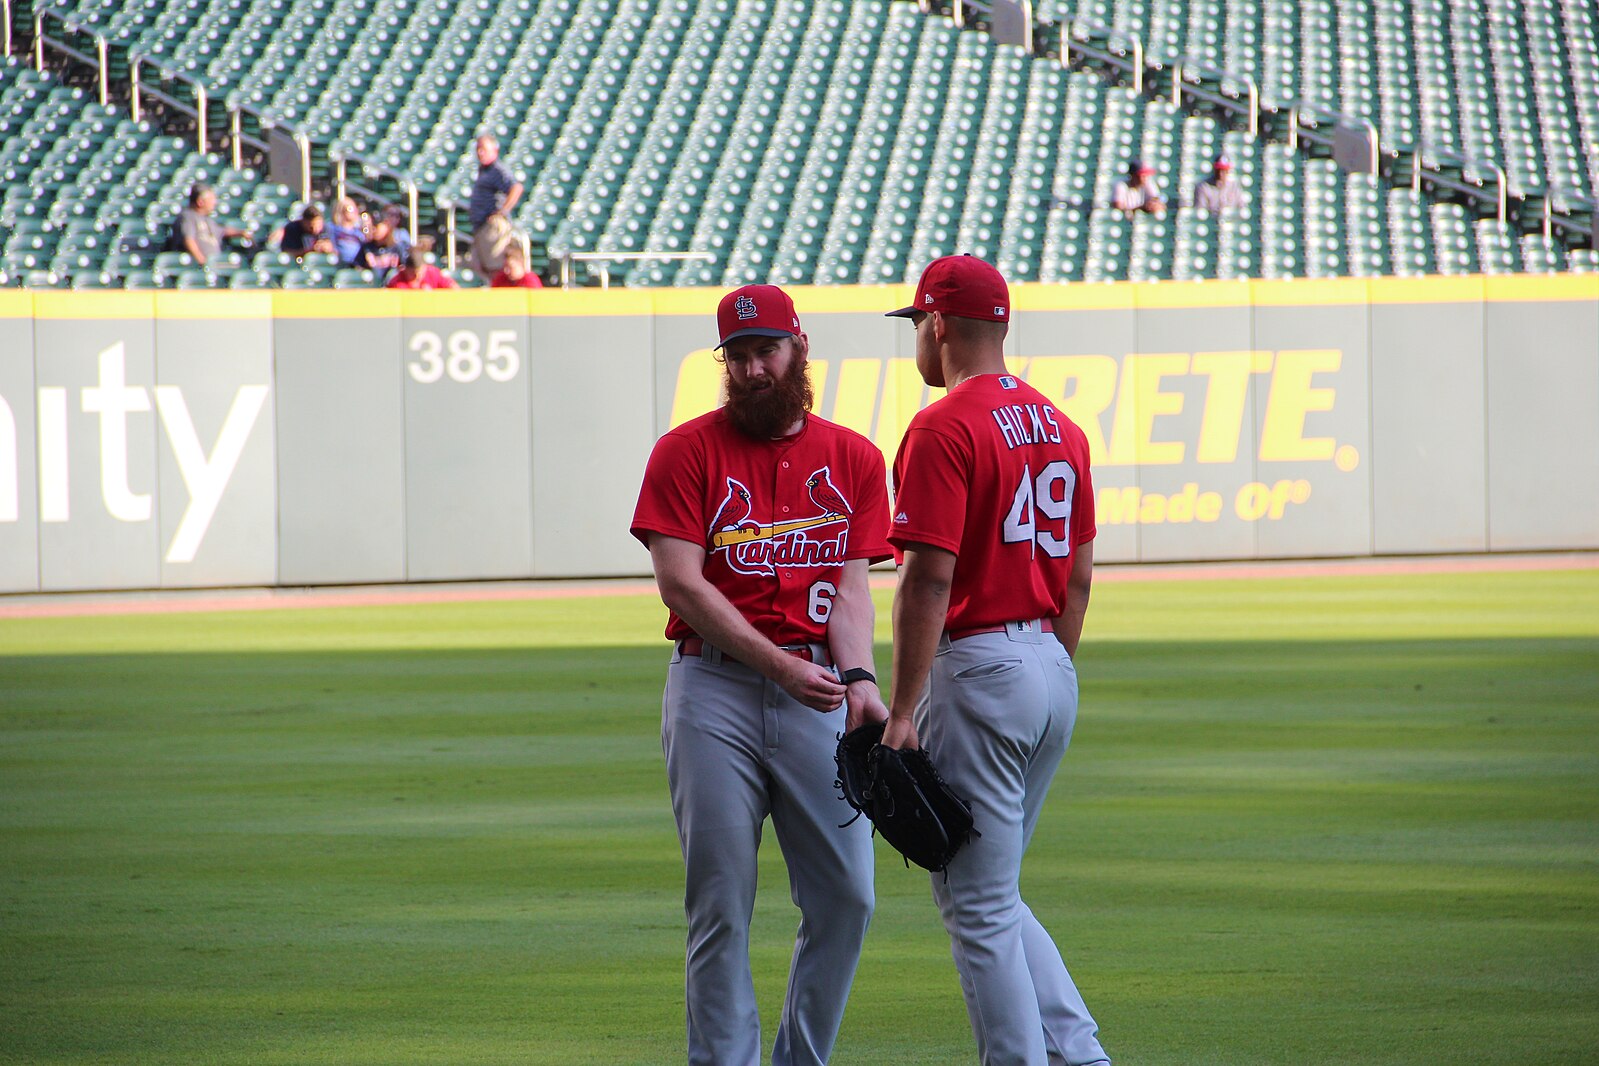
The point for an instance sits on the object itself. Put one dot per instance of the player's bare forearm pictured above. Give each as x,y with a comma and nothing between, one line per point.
1069,626
921,604
850,630
679,574
512,195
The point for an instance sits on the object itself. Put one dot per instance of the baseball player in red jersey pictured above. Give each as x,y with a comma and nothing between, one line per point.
994,515
761,520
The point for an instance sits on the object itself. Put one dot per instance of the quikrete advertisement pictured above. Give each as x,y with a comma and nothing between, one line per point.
1176,437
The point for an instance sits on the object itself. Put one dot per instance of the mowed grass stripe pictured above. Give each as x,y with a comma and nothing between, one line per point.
1341,819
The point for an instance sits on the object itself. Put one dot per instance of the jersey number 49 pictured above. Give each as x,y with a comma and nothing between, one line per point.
1038,504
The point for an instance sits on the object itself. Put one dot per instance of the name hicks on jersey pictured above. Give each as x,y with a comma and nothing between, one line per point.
1027,423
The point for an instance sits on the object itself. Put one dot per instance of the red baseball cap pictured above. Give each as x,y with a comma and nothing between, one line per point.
963,286
756,311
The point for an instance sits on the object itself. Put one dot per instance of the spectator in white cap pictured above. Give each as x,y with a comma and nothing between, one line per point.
1219,192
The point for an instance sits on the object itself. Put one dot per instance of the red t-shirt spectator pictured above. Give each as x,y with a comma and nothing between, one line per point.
429,277
529,280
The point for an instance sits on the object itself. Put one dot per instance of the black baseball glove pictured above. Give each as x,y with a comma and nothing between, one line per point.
902,794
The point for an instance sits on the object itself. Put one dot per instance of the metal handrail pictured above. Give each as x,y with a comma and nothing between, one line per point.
137,91
40,39
1079,40
341,181
1186,81
603,257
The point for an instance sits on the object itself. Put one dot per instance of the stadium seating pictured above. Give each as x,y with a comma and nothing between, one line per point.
832,143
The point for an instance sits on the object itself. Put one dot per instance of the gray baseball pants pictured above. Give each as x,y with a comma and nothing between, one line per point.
737,749
996,718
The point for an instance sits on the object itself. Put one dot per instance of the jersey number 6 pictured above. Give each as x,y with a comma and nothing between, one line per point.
1046,499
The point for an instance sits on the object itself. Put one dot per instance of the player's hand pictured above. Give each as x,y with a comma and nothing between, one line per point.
865,705
900,733
814,686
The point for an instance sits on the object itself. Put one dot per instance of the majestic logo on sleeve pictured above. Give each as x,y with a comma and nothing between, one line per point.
753,547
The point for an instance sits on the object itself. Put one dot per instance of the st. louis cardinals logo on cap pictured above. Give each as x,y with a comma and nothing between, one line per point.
756,311
753,547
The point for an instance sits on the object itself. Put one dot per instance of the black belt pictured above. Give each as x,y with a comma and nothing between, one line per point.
808,652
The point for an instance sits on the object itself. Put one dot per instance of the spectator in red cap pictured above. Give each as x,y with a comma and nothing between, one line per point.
994,516
761,520
1219,192
1138,191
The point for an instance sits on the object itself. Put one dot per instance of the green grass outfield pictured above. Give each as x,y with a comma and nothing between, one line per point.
1325,820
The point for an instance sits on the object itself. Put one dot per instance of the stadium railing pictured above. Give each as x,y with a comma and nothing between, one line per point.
603,259
1313,129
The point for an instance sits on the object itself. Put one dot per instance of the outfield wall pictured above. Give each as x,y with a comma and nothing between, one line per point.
180,439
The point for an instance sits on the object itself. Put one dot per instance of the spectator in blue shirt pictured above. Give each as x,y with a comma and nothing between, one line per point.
496,190
348,230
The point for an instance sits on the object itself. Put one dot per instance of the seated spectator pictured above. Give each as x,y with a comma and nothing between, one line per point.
307,234
395,216
1138,191
348,230
1219,192
196,232
496,190
417,273
380,253
515,274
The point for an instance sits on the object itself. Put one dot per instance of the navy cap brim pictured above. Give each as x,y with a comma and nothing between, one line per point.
756,331
903,312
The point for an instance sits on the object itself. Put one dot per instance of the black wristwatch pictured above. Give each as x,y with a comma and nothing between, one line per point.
859,674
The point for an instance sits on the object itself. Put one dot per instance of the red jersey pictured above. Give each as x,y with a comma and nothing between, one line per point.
530,280
430,277
777,518
996,474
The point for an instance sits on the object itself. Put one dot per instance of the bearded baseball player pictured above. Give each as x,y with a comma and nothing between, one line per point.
994,516
761,520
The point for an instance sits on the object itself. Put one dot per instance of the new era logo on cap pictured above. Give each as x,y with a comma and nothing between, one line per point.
962,286
756,311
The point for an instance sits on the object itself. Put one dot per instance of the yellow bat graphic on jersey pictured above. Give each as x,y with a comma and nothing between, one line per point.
729,537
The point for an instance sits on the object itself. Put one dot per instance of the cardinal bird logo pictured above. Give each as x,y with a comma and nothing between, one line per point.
825,494
735,510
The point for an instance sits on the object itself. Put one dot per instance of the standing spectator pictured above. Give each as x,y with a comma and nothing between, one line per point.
308,233
515,274
397,219
196,232
348,230
380,253
496,190
1138,191
1219,192
417,273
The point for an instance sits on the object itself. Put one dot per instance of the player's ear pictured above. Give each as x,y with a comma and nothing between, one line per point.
802,346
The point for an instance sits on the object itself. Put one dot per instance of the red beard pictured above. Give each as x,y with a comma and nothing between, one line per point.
765,413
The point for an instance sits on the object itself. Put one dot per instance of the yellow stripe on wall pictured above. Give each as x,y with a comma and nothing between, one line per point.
336,303
16,303
93,305
1540,288
1308,292
1428,290
190,305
